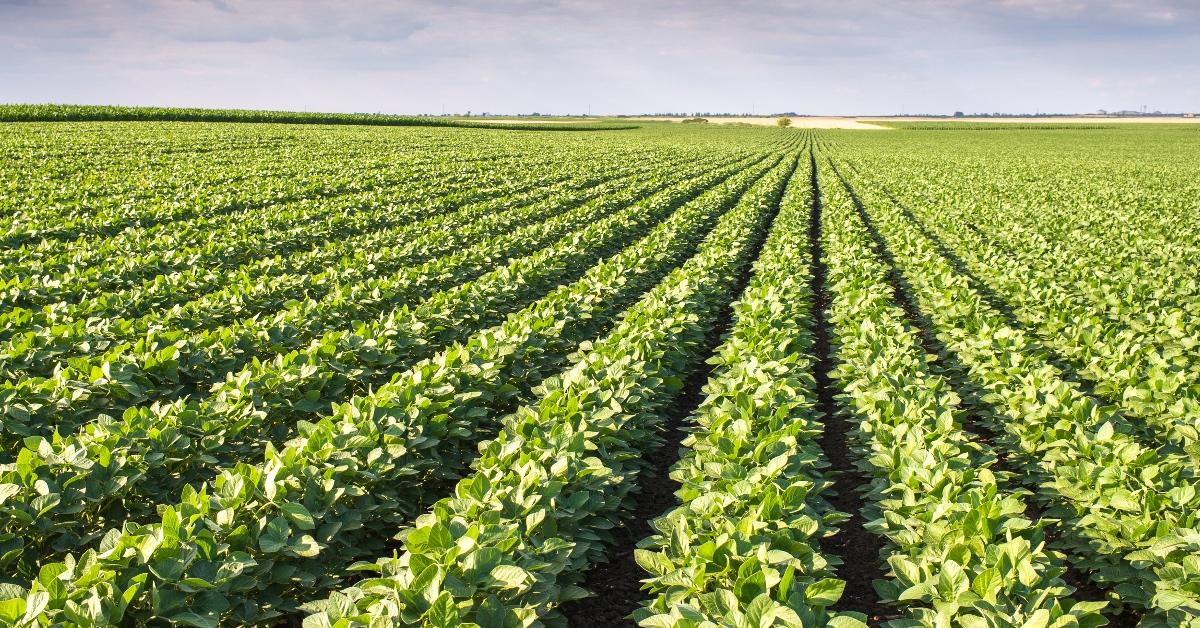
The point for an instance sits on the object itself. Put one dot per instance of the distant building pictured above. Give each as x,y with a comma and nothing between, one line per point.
1189,115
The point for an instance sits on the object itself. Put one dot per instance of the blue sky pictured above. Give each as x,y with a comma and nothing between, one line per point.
848,57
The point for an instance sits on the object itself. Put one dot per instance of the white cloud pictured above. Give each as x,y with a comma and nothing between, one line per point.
854,56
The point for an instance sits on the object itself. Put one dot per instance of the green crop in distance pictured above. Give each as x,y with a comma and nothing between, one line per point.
354,370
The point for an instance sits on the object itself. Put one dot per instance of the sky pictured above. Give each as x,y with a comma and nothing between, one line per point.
841,57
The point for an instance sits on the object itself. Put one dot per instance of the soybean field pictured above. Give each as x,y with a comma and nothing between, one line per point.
345,372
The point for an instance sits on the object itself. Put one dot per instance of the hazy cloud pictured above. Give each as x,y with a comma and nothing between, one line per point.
620,56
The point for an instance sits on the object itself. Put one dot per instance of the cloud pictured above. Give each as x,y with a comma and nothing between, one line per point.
853,56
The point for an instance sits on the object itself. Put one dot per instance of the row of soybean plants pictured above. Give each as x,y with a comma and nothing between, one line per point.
513,541
183,300
64,376
200,166
378,215
62,184
1125,512
743,547
67,187
69,488
155,176
959,547
166,362
48,335
46,254
1109,255
197,187
1122,207
1160,295
199,249
1140,357
247,544
1106,231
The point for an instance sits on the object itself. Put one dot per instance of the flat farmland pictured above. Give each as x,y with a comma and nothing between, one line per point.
356,372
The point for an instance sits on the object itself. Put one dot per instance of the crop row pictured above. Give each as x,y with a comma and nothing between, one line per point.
293,224
1097,232
1127,512
165,365
1142,365
55,112
357,286
959,547
333,489
513,541
98,204
52,244
174,296
743,547
113,470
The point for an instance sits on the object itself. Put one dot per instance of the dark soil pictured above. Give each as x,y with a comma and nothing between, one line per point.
859,549
616,584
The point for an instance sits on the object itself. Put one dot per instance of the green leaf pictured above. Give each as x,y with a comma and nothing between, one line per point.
170,523
1122,499
188,618
443,613
653,562
825,592
318,620
48,576
491,613
952,581
274,537
306,546
1168,600
1039,619
12,609
915,592
510,576
8,490
339,605
988,584
299,515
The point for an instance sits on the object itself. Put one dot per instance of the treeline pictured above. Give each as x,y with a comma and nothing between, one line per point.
110,113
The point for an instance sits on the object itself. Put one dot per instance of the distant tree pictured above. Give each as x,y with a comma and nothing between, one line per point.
783,121
959,114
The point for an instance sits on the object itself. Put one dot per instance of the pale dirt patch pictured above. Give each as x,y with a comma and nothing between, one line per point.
798,122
